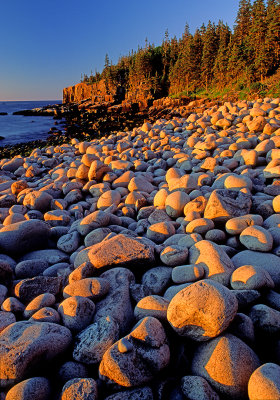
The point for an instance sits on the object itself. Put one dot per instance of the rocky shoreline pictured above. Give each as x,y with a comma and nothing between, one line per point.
144,264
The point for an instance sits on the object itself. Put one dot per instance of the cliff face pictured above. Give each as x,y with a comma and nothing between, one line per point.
100,92
97,92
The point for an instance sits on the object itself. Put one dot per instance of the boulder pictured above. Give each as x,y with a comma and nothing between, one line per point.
202,311
24,345
138,357
24,236
121,251
224,204
213,259
227,364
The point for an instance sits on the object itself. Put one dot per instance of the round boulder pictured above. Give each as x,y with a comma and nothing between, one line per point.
202,310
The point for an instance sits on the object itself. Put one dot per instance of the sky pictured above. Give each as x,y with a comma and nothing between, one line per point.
46,45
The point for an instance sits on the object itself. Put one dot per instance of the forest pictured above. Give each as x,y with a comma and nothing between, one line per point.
215,59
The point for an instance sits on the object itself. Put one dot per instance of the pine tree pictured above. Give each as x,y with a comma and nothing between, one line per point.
272,37
242,22
257,39
210,47
221,63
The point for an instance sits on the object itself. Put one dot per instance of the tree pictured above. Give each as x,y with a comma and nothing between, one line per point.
272,36
210,47
257,39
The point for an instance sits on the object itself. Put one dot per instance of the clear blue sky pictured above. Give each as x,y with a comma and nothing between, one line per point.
46,45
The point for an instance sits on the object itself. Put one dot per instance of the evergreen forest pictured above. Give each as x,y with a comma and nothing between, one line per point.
214,60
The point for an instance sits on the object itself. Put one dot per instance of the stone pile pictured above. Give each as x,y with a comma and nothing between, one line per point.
146,264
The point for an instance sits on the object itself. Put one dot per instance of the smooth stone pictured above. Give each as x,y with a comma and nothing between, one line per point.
267,261
143,393
152,306
214,260
202,311
256,238
6,319
51,256
92,288
121,251
30,389
187,273
24,345
27,289
174,255
227,364
46,314
265,319
30,268
76,312
24,236
250,277
160,231
43,300
264,383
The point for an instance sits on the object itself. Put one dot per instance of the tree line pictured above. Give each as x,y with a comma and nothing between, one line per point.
214,56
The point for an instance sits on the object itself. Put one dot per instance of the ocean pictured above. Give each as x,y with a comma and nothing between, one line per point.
18,128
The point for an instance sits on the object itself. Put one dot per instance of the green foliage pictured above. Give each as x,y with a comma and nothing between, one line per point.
212,61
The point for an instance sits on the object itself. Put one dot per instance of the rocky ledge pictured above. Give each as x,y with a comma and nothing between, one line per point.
146,264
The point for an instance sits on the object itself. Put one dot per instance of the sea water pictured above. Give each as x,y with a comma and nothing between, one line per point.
18,128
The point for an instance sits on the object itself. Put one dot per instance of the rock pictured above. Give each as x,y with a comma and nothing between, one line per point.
187,273
242,326
227,364
214,260
267,261
174,255
30,389
175,203
43,300
76,312
235,226
93,221
202,310
139,183
46,314
24,344
159,232
156,280
224,204
264,383
200,225
27,289
256,238
72,369
30,268
144,393
80,388
92,288
246,297
24,236
69,242
147,355
92,342
197,388
51,256
109,198
121,251
117,303
265,319
6,319
152,306
96,236
37,200
250,277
